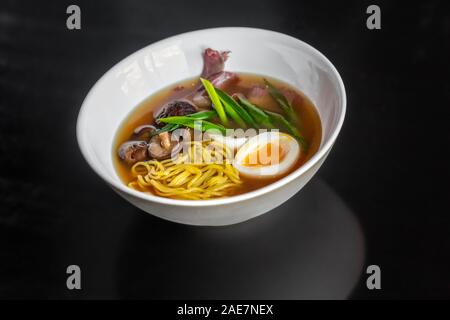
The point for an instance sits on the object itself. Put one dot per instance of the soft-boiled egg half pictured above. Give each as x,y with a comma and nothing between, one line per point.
267,155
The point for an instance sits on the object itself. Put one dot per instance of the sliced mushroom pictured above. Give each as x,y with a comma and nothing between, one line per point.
201,101
133,151
143,129
183,134
165,139
159,150
174,108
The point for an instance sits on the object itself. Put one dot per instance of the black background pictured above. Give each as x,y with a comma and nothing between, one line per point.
390,165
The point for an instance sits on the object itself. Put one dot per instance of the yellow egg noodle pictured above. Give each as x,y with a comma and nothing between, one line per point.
203,172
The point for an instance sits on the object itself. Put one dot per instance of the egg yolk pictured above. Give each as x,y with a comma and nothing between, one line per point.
268,154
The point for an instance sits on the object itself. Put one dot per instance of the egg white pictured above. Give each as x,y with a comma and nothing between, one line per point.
287,142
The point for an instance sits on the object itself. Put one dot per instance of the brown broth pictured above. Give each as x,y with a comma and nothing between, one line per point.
309,121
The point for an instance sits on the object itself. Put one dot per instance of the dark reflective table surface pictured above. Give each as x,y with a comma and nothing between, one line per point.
381,197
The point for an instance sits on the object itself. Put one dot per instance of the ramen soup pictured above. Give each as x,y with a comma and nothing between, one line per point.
217,135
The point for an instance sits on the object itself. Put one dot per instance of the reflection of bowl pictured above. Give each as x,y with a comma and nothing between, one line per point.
168,61
316,255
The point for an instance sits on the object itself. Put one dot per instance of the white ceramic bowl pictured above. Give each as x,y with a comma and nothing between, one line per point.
168,61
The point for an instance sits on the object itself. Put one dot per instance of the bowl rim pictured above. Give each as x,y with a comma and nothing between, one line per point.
118,185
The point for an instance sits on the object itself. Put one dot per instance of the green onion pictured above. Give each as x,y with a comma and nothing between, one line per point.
260,117
203,115
282,101
232,108
227,100
215,100
191,123
279,120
